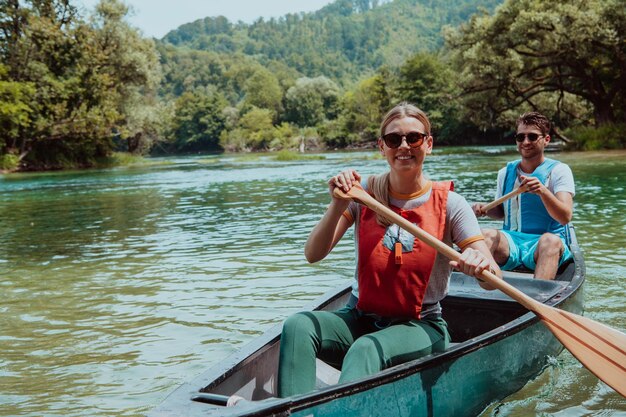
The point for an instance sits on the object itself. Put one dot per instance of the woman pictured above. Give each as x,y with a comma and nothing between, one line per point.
401,280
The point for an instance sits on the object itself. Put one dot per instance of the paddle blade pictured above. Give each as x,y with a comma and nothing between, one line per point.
600,348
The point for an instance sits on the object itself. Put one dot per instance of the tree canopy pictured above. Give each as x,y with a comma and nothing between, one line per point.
76,88
72,84
544,55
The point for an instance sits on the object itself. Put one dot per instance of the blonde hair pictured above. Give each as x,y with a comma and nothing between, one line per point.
379,185
403,110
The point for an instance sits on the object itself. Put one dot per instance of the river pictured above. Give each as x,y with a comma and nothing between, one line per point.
118,285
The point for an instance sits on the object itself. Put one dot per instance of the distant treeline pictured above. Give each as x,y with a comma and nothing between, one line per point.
74,89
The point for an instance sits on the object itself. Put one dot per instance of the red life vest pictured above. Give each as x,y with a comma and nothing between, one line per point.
387,288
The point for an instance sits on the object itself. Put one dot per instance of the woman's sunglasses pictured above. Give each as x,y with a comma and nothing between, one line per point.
414,139
531,136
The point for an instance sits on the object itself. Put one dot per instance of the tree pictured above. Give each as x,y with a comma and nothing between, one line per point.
253,131
15,111
263,91
362,110
424,80
130,65
90,79
198,121
529,49
42,45
311,101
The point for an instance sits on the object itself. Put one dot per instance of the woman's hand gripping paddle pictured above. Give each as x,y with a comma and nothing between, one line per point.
600,348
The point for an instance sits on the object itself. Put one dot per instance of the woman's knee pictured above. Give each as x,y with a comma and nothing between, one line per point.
363,358
368,351
365,346
298,324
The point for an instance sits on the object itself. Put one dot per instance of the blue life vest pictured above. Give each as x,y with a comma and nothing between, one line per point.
534,218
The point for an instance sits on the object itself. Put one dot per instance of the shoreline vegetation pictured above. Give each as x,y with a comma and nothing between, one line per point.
126,160
87,90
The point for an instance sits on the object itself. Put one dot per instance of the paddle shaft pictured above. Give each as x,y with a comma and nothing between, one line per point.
502,199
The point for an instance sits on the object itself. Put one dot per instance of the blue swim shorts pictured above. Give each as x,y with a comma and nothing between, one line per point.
522,247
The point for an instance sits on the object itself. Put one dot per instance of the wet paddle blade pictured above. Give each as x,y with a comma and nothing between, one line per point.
600,348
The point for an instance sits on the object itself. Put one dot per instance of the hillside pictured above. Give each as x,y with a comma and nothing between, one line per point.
344,41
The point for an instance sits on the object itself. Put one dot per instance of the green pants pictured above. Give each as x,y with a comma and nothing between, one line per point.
352,342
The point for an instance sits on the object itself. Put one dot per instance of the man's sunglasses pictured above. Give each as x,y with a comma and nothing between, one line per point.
414,139
531,137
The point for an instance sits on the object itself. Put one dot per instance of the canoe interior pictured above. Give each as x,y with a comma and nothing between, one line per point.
254,376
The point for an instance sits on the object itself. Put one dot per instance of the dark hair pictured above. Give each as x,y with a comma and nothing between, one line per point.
536,119
405,109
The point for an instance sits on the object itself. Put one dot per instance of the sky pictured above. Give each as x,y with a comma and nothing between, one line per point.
157,17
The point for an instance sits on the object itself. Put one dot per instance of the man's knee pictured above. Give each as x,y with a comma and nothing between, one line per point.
549,245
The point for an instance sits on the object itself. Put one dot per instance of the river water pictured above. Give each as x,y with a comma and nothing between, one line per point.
118,285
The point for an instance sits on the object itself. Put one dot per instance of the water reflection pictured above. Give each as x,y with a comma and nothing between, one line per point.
118,285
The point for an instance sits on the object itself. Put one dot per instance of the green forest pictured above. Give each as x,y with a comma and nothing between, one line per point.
78,88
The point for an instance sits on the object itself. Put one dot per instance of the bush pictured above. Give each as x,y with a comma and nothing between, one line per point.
285,137
119,159
610,136
9,162
234,140
287,155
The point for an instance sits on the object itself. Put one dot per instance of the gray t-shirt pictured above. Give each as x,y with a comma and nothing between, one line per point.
461,229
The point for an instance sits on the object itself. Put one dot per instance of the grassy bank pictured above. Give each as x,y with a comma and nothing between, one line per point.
610,136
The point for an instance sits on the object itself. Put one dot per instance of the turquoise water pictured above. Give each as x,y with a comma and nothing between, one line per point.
118,285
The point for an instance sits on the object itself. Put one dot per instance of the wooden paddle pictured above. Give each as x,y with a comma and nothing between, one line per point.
502,199
600,348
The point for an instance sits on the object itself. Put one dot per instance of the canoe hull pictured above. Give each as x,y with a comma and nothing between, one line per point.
462,384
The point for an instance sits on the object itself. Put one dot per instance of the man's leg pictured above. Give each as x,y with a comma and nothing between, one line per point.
497,244
547,255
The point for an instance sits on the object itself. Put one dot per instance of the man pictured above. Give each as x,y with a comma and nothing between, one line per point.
533,234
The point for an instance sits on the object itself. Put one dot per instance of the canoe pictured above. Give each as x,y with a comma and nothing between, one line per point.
555,146
497,347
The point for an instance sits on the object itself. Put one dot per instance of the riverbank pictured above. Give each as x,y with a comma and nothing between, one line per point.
124,159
